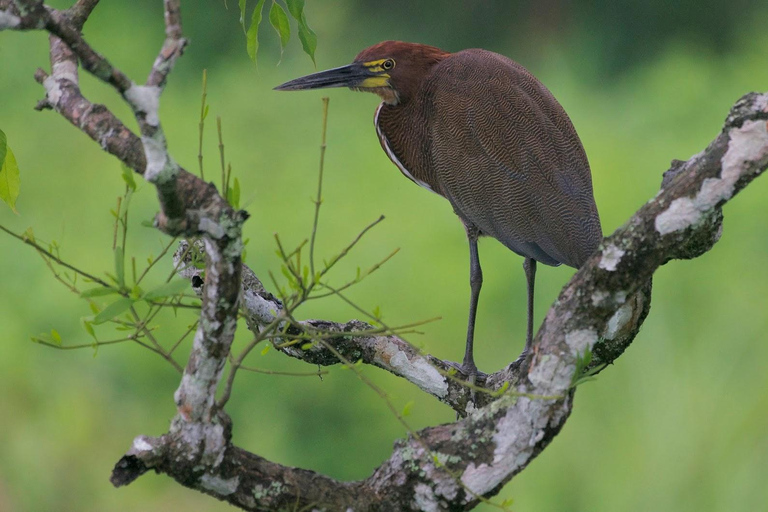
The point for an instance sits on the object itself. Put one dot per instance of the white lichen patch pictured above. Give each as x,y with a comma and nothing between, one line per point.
682,212
53,91
748,146
140,445
515,439
261,310
66,70
551,375
581,340
211,227
8,20
146,100
160,167
218,485
618,321
424,499
417,369
611,258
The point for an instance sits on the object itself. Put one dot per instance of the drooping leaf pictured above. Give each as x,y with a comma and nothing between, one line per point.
279,20
167,290
308,38
9,179
114,309
252,35
306,35
295,7
241,3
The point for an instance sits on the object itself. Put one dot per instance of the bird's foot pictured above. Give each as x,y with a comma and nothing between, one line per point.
468,373
470,377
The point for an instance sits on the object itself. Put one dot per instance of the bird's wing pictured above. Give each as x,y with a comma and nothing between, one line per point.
508,158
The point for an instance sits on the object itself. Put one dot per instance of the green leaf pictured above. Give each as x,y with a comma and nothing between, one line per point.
100,291
3,146
9,179
88,326
308,38
279,20
28,234
295,7
119,266
56,336
114,309
252,35
136,292
175,287
306,35
128,177
234,194
242,14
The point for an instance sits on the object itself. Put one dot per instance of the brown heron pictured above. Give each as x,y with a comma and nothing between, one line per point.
480,130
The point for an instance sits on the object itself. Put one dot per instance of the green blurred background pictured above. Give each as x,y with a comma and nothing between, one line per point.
680,423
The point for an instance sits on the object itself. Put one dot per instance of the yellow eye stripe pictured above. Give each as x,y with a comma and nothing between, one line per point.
375,66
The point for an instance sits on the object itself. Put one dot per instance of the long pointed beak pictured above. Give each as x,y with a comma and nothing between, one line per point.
352,75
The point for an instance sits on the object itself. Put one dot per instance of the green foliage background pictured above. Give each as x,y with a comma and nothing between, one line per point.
679,423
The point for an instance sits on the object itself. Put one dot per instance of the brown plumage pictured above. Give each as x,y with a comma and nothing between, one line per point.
481,131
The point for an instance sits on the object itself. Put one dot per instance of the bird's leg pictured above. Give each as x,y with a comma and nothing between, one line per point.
475,283
529,265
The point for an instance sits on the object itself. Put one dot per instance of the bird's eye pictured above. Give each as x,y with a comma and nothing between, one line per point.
388,64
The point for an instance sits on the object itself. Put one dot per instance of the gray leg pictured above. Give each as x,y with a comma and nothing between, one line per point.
475,283
529,265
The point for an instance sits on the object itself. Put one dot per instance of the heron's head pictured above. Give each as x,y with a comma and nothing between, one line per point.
392,69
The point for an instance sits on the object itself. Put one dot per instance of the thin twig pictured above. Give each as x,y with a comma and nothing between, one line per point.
221,156
319,199
34,244
202,124
154,261
289,374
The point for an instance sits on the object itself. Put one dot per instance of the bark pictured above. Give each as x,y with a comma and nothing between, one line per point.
446,467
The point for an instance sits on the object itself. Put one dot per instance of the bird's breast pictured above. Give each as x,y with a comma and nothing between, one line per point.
402,137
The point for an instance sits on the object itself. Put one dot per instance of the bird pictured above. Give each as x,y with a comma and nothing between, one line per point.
478,129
